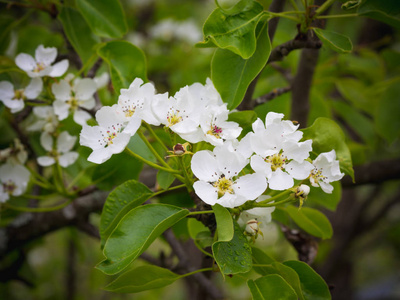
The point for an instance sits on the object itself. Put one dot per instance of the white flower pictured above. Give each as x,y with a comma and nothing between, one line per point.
280,156
60,153
13,181
14,155
41,65
135,105
14,99
261,214
168,29
73,96
102,80
108,138
326,169
215,126
219,180
47,119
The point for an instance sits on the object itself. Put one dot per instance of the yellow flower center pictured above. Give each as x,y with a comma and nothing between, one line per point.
73,103
215,131
316,174
9,187
19,94
277,161
223,185
173,118
39,67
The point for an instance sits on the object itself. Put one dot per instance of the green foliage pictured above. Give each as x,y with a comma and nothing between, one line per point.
225,228
271,287
384,11
260,258
335,41
129,240
231,74
141,279
106,18
329,201
126,62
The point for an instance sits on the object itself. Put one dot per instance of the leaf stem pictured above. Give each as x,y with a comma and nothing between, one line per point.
202,250
148,144
148,127
177,187
38,209
288,199
337,16
197,271
200,212
324,7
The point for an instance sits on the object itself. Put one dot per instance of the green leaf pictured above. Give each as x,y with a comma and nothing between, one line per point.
231,7
224,223
387,113
327,135
42,34
311,221
384,11
126,62
122,199
260,258
231,74
165,179
313,286
78,33
141,279
271,287
234,32
243,118
329,201
135,232
234,256
106,17
335,41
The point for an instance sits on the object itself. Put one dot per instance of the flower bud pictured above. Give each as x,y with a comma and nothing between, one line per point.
303,190
252,227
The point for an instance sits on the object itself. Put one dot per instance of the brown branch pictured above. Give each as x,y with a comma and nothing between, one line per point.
283,50
271,95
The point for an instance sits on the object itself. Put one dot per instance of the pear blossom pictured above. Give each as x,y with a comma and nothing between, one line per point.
61,152
102,80
74,96
109,137
261,214
14,99
13,181
326,169
134,104
15,154
280,157
41,65
46,119
219,180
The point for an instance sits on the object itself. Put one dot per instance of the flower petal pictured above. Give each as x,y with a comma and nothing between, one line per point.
6,90
61,109
81,117
250,186
45,55
299,171
65,142
85,88
68,159
280,180
206,192
34,88
25,62
59,68
204,166
46,161
61,90
46,140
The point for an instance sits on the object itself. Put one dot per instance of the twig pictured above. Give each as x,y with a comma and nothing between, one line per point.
271,95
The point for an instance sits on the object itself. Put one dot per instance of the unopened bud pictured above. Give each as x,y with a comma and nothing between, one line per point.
303,191
252,227
180,149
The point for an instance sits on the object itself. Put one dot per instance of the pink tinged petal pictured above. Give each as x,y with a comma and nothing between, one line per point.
6,90
61,90
259,165
99,156
85,88
250,186
280,180
45,55
133,125
46,140
88,104
90,136
326,187
25,62
65,142
59,68
68,159
299,171
204,166
34,88
81,117
206,192
46,161
61,109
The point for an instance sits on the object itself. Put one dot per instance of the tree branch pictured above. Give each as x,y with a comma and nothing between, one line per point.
271,95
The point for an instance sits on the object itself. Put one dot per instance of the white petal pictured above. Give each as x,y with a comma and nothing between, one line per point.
133,125
25,62
250,186
61,90
46,140
280,180
326,187
46,161
65,142
14,105
34,88
206,192
85,88
68,159
230,163
273,117
90,136
297,151
6,90
193,137
231,200
45,55
61,109
88,104
108,116
119,143
258,126
81,117
102,80
259,165
204,166
299,171
99,156
59,68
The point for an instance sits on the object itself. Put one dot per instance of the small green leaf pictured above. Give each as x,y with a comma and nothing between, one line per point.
260,258
244,118
311,221
355,91
329,201
234,32
327,135
335,41
200,233
387,113
78,33
165,179
231,74
232,7
224,223
312,285
106,17
135,232
384,11
234,256
141,279
126,62
271,287
122,199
